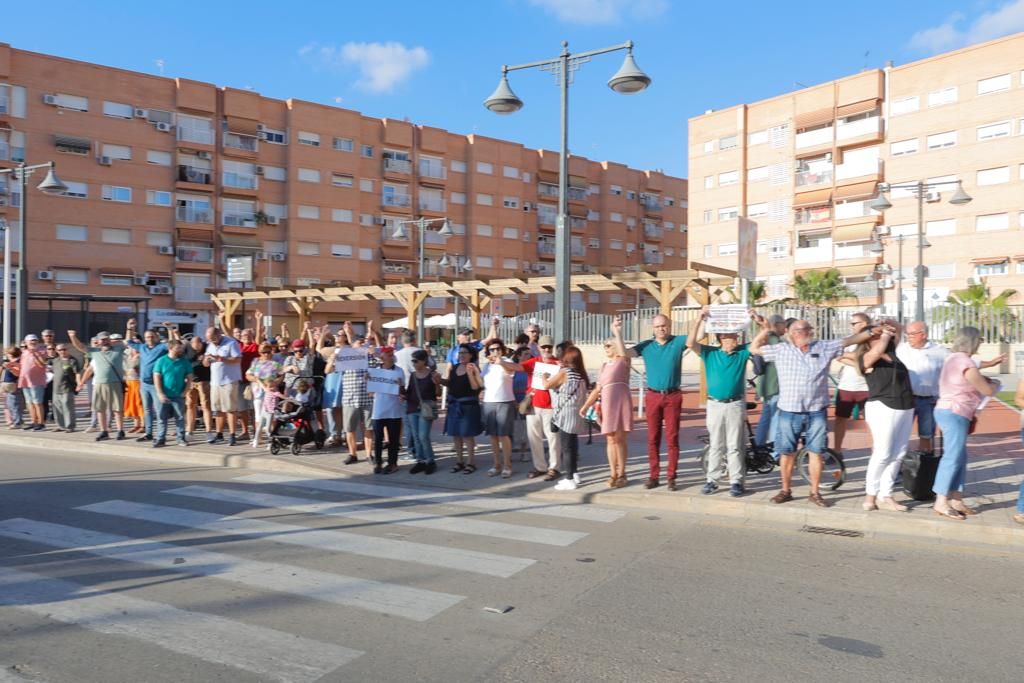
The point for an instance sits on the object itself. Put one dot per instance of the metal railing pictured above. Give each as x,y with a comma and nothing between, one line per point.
435,204
248,143
194,254
651,203
203,137
5,150
433,170
244,220
653,231
396,199
397,165
813,177
193,214
243,181
809,216
191,174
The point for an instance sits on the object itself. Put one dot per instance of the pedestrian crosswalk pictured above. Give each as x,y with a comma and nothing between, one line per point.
333,521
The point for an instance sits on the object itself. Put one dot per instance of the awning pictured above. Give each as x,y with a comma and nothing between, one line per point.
989,260
858,232
856,108
243,126
195,234
114,270
72,142
548,177
856,190
158,275
242,241
397,254
812,198
578,181
1018,257
860,270
814,118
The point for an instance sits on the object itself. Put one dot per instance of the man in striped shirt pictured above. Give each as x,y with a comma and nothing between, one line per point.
356,402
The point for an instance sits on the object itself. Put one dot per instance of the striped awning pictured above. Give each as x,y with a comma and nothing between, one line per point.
241,241
812,198
397,254
989,260
858,270
195,234
856,190
858,232
814,118
242,126
855,108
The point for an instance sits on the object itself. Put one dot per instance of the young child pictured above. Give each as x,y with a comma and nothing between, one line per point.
273,393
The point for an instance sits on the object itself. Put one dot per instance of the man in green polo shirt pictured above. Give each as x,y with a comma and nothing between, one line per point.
171,377
663,363
725,368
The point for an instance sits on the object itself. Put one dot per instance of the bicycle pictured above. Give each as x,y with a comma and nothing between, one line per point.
757,458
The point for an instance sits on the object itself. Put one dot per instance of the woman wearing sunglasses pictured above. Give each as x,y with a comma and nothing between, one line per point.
616,407
462,422
499,405
572,385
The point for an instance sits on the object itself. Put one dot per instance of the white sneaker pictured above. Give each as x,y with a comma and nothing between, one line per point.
493,472
576,479
565,485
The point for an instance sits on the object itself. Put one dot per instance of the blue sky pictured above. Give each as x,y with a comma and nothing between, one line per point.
435,62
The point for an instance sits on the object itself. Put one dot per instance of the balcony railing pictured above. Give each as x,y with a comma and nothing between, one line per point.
434,237
397,268
818,254
5,102
241,220
190,174
435,204
816,177
577,223
578,250
396,199
547,190
651,203
194,254
547,217
855,129
242,181
811,216
813,138
576,194
429,169
545,247
653,256
203,137
863,289
858,169
387,233
248,143
397,165
5,150
851,251
653,231
194,214
853,210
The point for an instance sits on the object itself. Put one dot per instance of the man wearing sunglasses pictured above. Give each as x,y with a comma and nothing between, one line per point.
803,364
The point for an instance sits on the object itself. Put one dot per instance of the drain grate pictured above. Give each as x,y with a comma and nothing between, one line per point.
831,531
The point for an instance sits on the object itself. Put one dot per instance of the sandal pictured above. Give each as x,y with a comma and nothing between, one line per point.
782,497
533,474
965,510
505,474
889,504
816,499
551,475
950,513
621,482
458,467
469,469
612,481
493,472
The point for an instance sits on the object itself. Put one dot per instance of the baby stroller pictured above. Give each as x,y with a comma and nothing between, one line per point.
300,417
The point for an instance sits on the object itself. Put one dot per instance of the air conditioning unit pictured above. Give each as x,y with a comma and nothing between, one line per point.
159,289
163,127
204,155
106,161
538,267
272,220
278,256
527,206
166,251
141,279
260,127
882,230
261,256
526,265
141,113
44,274
164,289
970,281
932,196
885,283
50,99
643,245
259,170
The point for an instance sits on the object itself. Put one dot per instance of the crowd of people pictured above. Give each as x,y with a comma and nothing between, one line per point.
532,392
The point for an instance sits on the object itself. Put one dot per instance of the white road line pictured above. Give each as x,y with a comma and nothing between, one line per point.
333,541
411,603
455,525
268,653
588,513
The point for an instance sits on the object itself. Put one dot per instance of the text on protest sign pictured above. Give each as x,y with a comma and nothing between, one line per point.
350,359
727,319
381,381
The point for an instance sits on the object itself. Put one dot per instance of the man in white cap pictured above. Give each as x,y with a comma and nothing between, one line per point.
107,367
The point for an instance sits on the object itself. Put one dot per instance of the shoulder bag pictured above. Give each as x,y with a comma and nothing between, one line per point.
120,377
428,410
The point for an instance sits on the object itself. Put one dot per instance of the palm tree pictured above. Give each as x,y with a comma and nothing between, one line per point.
990,314
820,287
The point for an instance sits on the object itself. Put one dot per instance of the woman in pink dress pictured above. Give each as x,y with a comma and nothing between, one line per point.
616,410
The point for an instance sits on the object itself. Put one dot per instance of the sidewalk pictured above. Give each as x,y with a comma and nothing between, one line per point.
996,468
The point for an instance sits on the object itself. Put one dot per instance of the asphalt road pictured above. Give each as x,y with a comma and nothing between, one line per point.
112,571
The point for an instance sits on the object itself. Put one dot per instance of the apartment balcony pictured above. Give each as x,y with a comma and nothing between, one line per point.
652,231
546,218
578,252
813,216
190,175
192,214
651,204
387,234
653,256
239,144
860,171
432,171
396,200
859,131
817,254
432,204
852,251
547,190
577,224
194,254
542,269
201,137
239,220
546,249
5,101
399,166
5,150
396,270
818,137
863,289
576,194
854,211
815,177
239,181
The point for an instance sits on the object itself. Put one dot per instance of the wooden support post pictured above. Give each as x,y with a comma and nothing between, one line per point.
226,313
411,302
304,307
476,302
703,297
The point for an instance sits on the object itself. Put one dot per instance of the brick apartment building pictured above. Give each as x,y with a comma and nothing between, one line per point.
168,178
804,164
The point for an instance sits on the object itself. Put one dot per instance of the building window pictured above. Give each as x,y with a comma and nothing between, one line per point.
341,215
728,178
727,213
343,145
275,173
940,140
306,211
757,174
118,110
510,233
991,222
341,250
510,264
366,151
485,200
983,269
510,172
484,262
593,215
758,209
937,98
158,198
309,175
758,137
904,147
458,228
709,146
708,213
484,230
940,228
708,250
615,217
726,143
995,130
339,180
484,167
308,248
987,86
367,219
458,197
994,176
905,105
116,236
511,202
274,137
366,185
116,280
615,190
76,276
120,152
278,211
940,271
308,139
727,249
630,195
117,193
366,254
72,233
457,166
709,182
158,158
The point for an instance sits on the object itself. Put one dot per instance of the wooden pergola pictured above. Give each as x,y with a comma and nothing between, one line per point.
702,282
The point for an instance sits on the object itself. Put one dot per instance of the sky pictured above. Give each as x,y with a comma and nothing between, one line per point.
435,62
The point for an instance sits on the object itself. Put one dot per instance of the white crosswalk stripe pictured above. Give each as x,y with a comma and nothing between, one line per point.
424,520
332,540
411,603
590,513
272,655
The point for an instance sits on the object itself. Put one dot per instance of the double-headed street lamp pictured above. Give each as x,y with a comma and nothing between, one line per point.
629,79
400,234
921,190
51,185
460,263
878,247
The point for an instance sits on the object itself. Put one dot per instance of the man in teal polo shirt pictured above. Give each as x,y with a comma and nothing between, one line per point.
172,375
725,369
663,363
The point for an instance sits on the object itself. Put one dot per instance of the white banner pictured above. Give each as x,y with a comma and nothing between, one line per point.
350,359
381,381
539,370
727,319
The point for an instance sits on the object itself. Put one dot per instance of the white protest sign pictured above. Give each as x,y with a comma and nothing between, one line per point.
350,359
539,370
727,319
381,381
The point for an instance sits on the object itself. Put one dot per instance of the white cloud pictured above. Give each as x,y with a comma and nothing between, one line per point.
953,33
601,11
382,66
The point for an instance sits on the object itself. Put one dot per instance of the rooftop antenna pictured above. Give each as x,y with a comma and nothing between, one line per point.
160,65
866,54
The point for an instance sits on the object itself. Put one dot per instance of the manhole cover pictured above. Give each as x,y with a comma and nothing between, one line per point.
831,531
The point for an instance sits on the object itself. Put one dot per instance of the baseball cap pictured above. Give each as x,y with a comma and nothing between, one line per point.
31,337
466,331
47,333
116,337
546,340
103,335
298,344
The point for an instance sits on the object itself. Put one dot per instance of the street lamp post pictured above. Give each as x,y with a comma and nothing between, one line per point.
921,190
50,185
627,80
422,223
877,247
7,282
458,268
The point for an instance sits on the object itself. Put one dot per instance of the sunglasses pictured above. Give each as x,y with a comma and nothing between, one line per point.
547,346
494,349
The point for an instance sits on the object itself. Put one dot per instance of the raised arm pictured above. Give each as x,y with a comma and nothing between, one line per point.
620,346
76,342
697,333
758,341
260,332
492,333
878,346
371,333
